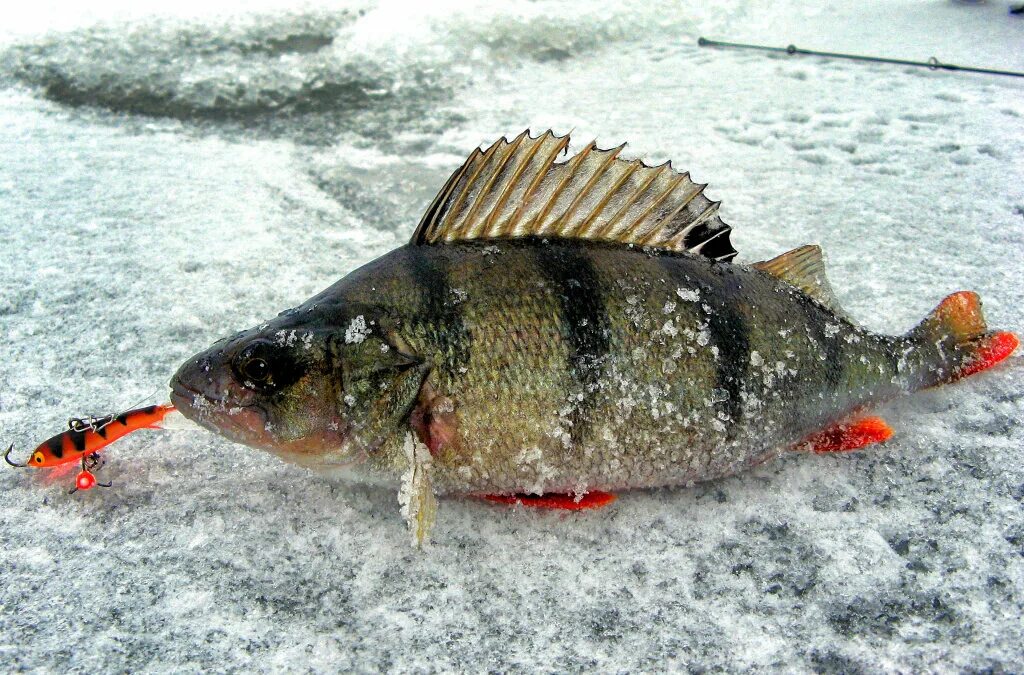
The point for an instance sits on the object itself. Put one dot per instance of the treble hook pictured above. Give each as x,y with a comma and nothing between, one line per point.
91,461
7,457
86,479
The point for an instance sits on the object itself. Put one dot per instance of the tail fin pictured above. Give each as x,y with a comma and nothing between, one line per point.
953,342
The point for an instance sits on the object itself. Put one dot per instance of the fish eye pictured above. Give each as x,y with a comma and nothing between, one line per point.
266,366
253,364
37,458
256,369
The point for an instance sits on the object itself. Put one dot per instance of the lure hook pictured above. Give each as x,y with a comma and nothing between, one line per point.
86,479
7,457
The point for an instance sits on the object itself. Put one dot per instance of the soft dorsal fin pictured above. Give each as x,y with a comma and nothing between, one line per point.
517,189
804,268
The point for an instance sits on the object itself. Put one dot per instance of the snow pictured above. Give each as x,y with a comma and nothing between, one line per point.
238,161
357,330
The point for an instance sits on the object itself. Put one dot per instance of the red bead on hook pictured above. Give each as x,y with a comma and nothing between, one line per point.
86,479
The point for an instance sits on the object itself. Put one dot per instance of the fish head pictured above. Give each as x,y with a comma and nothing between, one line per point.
314,391
274,387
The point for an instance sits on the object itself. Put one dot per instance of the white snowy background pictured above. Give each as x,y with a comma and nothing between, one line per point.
170,174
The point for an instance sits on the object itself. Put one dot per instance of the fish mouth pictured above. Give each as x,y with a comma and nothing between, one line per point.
190,401
242,423
184,395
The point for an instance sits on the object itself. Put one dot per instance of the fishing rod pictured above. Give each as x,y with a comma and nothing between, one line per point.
932,63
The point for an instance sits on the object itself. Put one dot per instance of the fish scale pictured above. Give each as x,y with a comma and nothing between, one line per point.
537,419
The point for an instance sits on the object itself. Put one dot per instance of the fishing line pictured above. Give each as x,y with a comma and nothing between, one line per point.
932,63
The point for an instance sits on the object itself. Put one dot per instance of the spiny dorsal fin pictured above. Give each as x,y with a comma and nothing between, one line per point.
804,268
517,189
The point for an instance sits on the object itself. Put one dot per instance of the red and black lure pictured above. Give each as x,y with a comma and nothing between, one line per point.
85,437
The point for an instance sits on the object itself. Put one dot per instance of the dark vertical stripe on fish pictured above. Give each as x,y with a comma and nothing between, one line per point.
831,347
439,308
584,324
729,332
727,326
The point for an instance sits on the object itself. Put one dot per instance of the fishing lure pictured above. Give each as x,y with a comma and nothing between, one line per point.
86,436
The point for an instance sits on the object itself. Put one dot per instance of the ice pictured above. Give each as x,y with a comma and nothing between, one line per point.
357,330
174,174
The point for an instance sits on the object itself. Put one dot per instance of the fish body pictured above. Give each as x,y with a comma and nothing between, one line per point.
567,327
571,366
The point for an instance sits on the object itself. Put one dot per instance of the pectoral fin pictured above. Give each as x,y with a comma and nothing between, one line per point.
847,436
590,500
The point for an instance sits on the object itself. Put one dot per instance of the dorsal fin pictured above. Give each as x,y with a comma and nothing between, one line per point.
804,268
517,189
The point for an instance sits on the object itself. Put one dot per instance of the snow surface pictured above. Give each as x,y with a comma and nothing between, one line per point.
176,173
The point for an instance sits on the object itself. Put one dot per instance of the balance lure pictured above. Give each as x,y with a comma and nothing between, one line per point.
559,330
85,437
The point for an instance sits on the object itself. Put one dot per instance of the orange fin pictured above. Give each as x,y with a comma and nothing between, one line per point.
848,436
954,342
991,349
591,500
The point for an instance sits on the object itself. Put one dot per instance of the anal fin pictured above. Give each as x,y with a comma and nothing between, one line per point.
848,436
565,502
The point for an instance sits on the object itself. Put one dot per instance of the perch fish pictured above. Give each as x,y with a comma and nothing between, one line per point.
557,331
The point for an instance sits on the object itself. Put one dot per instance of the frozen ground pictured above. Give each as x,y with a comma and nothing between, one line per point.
164,181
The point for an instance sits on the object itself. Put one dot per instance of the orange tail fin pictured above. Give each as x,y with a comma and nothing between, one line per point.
953,342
